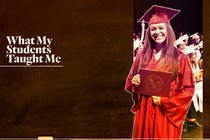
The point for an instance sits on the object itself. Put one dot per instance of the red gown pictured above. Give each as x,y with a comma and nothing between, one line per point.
164,121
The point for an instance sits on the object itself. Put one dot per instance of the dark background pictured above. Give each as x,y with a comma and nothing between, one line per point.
188,21
86,97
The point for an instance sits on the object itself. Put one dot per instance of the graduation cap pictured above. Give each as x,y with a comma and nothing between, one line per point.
189,49
194,36
159,14
184,37
200,45
179,41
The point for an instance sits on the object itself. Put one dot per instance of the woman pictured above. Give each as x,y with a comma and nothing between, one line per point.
198,78
195,106
160,117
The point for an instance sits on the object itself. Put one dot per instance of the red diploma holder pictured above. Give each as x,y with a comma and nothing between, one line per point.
155,83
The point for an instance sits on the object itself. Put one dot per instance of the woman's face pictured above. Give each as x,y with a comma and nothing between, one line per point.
182,46
193,57
158,32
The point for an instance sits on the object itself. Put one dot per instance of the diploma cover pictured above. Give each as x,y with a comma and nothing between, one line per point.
155,83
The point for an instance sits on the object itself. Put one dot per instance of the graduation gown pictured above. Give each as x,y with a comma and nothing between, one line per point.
164,121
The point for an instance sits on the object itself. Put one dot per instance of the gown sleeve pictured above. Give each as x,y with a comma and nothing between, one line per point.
129,87
182,89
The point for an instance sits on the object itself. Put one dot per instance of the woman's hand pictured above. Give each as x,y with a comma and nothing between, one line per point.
156,100
136,80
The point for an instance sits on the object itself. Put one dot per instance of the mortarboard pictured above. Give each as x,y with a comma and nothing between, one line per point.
194,36
179,41
189,49
200,45
159,14
184,37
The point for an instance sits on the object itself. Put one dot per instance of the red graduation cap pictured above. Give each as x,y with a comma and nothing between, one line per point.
159,14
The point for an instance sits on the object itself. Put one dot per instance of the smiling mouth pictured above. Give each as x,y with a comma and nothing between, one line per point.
155,36
158,37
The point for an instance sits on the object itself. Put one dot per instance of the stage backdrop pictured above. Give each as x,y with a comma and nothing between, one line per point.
84,55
